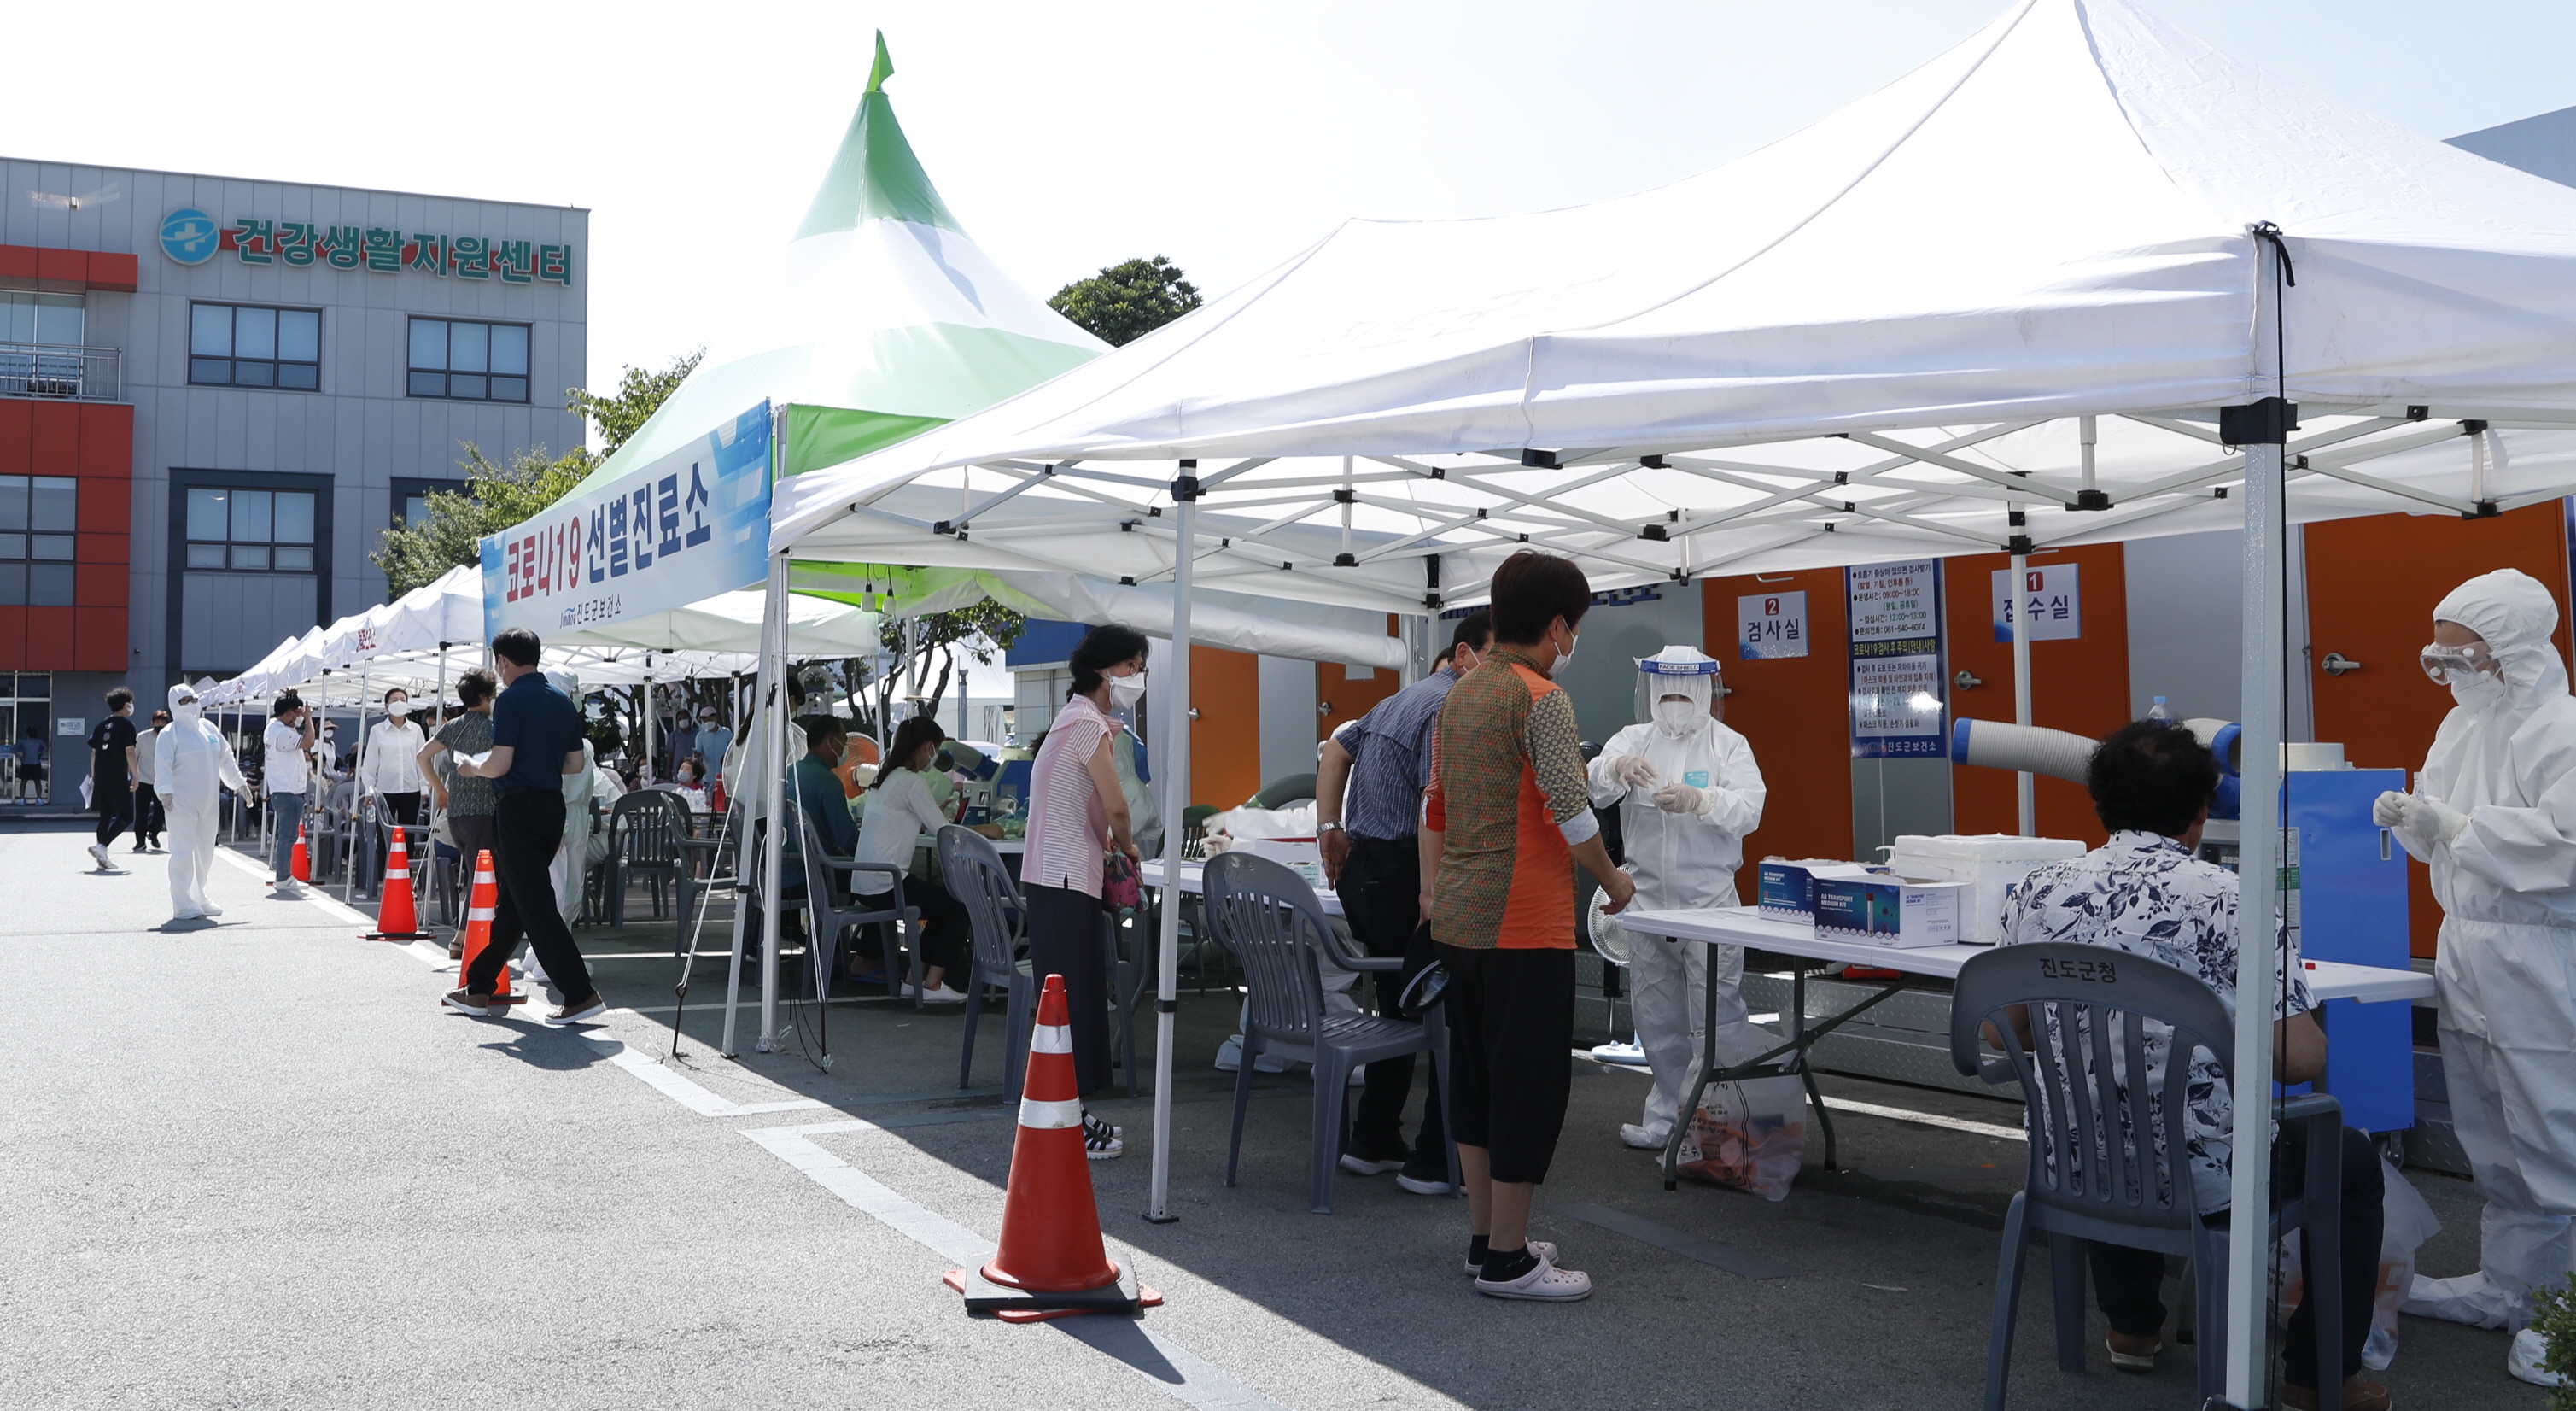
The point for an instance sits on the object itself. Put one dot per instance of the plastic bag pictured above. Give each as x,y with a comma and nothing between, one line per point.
2408,1223
1751,1135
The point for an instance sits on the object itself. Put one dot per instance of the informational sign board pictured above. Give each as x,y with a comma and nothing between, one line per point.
72,725
2051,597
679,531
1771,625
190,236
1898,700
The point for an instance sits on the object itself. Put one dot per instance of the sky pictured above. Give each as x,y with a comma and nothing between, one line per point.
1227,136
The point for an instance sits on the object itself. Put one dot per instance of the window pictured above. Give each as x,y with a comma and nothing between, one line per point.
29,317
475,362
37,516
411,498
258,531
235,345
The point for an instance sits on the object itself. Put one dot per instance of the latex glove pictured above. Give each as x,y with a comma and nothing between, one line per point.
1632,769
2432,821
2388,810
1679,798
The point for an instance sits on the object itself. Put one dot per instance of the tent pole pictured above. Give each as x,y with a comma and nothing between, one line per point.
2026,782
773,786
357,791
1172,743
646,773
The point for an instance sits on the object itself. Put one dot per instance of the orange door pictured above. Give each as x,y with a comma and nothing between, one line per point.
1225,739
2372,584
1346,700
1796,713
2078,684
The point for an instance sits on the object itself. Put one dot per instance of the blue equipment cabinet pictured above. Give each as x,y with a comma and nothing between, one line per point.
2352,900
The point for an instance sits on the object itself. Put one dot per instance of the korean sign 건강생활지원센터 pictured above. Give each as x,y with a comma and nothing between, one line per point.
679,531
192,237
1898,707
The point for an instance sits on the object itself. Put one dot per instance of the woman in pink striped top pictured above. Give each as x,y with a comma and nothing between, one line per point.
1076,812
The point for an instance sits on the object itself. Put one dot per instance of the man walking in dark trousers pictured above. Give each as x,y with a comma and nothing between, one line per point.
1368,803
536,740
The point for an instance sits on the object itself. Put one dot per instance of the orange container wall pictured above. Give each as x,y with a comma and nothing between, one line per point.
2372,584
1351,699
1796,713
1225,740
2079,685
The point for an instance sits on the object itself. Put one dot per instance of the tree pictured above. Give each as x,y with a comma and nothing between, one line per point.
978,631
496,496
1125,302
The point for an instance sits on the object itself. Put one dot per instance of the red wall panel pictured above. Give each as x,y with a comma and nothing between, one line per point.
115,273
103,548
52,640
101,645
17,261
57,438
106,507
63,266
99,585
17,437
13,639
107,442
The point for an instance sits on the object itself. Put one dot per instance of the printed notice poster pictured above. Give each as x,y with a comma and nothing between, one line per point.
1773,625
2051,599
1898,708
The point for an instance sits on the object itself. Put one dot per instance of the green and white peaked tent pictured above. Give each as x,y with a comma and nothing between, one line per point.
883,320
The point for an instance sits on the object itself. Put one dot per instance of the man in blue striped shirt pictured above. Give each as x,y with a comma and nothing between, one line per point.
1368,808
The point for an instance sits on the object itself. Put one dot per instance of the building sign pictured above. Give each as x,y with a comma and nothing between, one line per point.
678,531
1773,625
191,237
1897,708
2050,597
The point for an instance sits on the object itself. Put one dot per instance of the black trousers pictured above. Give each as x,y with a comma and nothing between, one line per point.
149,821
115,805
1065,938
2128,1283
946,933
1511,1025
527,827
1381,893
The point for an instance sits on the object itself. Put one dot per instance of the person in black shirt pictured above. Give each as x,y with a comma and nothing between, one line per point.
112,773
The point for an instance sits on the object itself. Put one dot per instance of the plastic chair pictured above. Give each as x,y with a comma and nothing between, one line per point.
1194,830
2132,1199
1283,791
645,830
972,868
825,922
1270,919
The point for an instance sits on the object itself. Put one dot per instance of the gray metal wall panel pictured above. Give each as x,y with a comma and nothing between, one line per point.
1287,718
230,620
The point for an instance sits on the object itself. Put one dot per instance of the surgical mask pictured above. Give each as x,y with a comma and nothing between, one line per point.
1125,691
2478,691
1677,718
398,709
1571,642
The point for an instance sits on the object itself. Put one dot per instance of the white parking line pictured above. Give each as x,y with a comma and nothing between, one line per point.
1199,1381
1926,1119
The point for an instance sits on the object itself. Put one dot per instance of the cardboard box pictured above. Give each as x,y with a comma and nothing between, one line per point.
1991,863
1787,887
1889,911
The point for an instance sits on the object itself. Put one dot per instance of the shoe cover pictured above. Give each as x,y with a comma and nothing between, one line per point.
2473,1299
2529,1347
1644,1139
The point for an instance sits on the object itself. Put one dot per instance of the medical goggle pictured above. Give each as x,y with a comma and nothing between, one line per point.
2449,665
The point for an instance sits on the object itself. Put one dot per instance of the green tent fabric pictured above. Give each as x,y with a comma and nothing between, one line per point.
883,319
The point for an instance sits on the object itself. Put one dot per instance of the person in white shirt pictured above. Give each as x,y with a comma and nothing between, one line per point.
390,767
286,772
900,809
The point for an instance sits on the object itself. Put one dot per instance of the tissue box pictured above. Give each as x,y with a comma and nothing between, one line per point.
1889,911
1991,863
1787,887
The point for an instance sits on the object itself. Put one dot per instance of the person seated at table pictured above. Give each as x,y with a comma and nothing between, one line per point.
900,811
2147,893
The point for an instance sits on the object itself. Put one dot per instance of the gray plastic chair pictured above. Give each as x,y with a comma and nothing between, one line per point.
824,922
2131,1199
996,913
645,833
1270,919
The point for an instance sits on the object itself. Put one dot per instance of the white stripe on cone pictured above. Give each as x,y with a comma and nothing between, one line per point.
480,913
1052,1038
1050,1115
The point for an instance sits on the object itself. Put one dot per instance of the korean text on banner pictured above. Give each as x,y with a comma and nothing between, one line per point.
1897,704
679,531
2051,597
1774,625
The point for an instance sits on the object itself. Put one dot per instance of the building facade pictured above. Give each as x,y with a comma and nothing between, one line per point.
217,393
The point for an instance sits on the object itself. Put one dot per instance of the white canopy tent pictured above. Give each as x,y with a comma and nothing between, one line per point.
1997,305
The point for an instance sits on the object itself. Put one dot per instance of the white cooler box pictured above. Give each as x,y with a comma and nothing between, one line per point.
1991,863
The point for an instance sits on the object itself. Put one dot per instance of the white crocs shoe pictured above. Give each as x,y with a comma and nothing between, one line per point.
1543,1284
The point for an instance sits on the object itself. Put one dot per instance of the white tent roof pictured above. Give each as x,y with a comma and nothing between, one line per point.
730,622
1871,340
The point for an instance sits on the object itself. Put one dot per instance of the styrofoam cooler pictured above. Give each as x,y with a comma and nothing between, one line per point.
1300,855
1992,863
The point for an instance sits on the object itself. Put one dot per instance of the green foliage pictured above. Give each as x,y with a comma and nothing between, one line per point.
2554,1316
495,497
1127,301
980,631
640,393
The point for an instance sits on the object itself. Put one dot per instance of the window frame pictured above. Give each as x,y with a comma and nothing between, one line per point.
447,373
185,478
407,486
22,567
233,361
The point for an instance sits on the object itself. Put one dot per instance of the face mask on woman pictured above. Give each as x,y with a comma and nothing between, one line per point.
397,709
1125,691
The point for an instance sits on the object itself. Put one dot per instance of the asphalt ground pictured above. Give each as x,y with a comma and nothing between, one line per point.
254,1164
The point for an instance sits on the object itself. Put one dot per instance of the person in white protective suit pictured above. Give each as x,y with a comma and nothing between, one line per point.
1688,791
190,765
2494,815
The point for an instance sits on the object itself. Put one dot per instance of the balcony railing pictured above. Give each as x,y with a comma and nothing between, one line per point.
57,371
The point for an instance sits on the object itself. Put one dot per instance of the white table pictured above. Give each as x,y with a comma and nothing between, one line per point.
1007,847
1747,927
1193,881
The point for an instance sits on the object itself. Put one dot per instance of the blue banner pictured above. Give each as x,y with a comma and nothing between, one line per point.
679,531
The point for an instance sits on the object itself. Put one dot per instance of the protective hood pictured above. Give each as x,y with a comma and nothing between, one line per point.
1676,671
2516,616
190,713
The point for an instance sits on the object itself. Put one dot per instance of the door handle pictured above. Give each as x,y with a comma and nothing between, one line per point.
2336,664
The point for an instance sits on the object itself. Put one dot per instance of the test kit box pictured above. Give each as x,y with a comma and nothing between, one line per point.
1787,887
1992,864
1889,911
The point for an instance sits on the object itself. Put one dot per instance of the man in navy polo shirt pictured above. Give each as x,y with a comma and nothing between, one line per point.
536,740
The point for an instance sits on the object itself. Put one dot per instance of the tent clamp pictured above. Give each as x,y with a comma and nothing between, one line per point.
2016,518
1127,581
1185,486
2417,411
1654,532
1346,561
1540,460
1653,463
1346,497
2486,510
2267,422
1127,526
2019,544
2091,500
2472,427
1842,477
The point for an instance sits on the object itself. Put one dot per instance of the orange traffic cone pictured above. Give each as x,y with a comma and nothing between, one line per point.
396,919
300,865
1051,1263
479,905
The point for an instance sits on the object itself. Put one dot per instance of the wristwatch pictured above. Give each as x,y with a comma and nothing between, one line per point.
1322,828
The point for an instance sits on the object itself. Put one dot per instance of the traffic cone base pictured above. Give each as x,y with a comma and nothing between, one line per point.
1050,1262
396,918
299,864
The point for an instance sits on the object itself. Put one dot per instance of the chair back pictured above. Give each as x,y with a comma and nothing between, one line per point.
1284,790
1270,919
818,878
2095,1109
972,869
646,827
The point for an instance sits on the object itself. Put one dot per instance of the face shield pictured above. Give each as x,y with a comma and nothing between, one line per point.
1674,688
